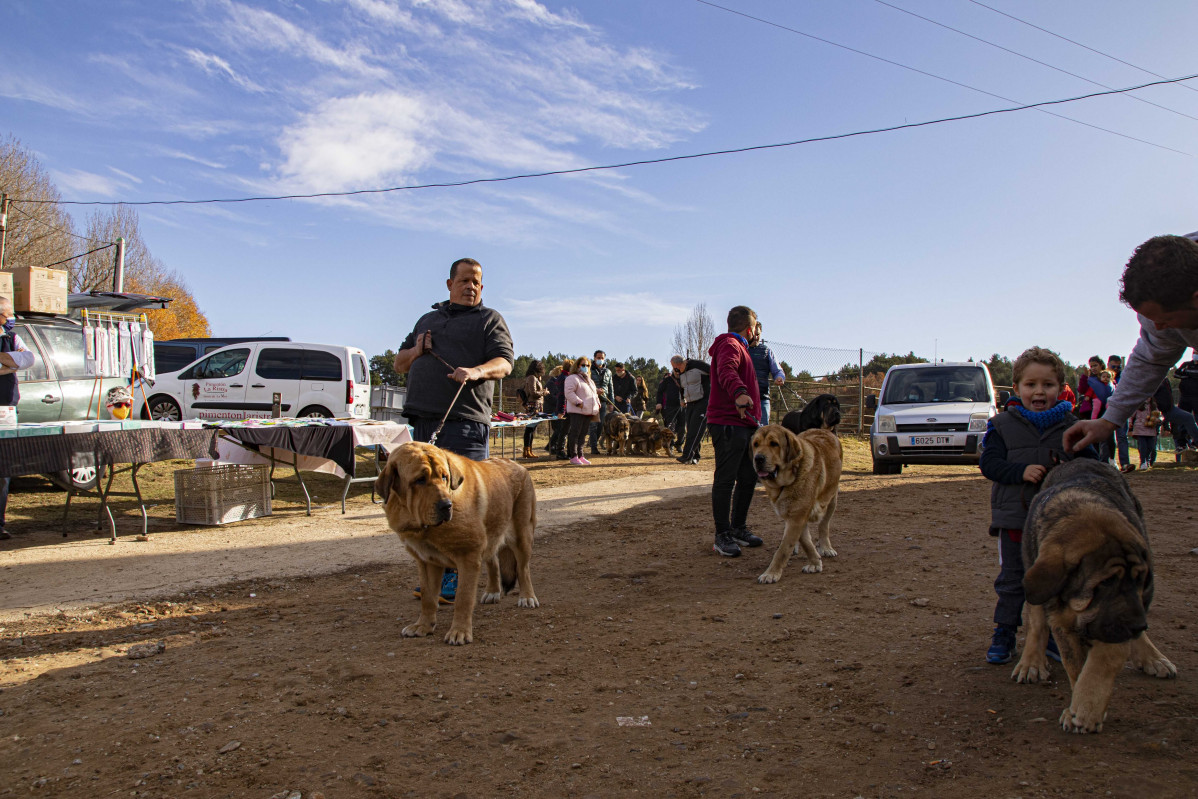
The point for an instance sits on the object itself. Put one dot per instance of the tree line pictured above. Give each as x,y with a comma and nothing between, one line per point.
40,232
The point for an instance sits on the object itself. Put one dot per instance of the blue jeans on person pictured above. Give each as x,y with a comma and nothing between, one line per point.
597,427
624,407
1009,583
469,439
765,408
1147,447
1121,442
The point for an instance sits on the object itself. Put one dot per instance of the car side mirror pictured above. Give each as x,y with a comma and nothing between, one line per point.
1003,398
871,402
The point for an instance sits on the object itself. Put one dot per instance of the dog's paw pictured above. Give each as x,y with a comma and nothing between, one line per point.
1077,722
813,568
765,578
457,637
416,630
491,599
1157,667
827,551
1030,670
529,602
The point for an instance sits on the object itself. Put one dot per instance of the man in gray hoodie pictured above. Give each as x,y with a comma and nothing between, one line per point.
1160,283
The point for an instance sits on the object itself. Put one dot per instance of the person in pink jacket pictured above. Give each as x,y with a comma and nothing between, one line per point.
732,417
582,403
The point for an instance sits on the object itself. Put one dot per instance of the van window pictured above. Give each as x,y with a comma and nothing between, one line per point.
172,357
936,384
276,363
360,375
38,371
320,365
65,347
220,364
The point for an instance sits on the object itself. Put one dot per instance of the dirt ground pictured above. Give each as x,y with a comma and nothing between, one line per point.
653,666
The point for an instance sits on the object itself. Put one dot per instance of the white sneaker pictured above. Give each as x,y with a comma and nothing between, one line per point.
1144,466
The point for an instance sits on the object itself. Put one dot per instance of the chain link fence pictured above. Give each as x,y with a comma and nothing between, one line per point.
811,371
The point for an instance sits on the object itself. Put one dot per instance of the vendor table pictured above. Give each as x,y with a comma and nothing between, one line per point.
500,428
47,447
316,445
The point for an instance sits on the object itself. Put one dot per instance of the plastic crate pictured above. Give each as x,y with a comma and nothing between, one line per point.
221,494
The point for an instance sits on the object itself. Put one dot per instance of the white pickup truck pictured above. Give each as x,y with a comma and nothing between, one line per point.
931,413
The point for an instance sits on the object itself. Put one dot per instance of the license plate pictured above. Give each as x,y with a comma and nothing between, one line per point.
930,441
359,410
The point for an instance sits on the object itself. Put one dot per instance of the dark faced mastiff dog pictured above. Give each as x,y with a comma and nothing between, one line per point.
823,412
1089,578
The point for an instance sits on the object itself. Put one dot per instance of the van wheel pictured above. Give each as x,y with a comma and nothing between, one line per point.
83,479
163,409
315,412
888,468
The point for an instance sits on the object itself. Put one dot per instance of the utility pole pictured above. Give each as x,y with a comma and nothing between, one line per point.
3,225
118,270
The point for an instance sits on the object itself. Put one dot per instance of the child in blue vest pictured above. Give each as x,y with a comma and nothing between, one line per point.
1018,451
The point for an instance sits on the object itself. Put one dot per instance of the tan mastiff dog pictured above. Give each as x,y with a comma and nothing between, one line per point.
1089,578
450,511
801,474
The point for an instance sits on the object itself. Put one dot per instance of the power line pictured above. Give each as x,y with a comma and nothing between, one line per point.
1028,57
1074,42
648,161
927,74
17,208
73,257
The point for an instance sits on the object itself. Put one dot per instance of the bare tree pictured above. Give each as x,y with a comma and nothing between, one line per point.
39,233
692,338
96,270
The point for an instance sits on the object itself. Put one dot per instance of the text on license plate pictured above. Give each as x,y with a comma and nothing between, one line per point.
930,441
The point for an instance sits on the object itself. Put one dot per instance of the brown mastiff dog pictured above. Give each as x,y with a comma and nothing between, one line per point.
452,511
801,474
615,433
1090,580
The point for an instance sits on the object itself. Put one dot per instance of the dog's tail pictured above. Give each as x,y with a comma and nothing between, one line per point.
507,569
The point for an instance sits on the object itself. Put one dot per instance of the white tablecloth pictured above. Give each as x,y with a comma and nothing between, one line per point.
387,434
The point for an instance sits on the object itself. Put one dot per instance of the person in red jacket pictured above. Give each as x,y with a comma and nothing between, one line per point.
733,414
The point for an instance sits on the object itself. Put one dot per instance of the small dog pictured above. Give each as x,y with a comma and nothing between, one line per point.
823,412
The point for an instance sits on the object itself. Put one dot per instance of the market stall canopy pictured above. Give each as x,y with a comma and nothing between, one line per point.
117,302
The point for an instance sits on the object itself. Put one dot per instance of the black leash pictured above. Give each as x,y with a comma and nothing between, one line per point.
433,439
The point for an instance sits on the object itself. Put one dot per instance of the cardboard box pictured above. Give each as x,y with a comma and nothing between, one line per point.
39,290
6,284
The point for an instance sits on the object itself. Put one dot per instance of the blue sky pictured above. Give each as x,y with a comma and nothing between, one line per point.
964,239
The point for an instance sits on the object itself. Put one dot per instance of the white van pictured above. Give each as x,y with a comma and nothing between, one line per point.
239,381
931,413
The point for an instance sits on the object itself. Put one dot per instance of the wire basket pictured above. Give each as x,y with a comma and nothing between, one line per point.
221,494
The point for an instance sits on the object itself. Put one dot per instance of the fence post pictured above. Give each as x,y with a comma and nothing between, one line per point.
860,389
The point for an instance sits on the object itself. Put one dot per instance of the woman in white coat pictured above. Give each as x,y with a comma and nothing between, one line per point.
582,403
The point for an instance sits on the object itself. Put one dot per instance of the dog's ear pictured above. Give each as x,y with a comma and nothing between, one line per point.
387,482
455,474
1046,577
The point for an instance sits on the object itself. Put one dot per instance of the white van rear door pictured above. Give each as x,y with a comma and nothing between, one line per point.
322,386
361,409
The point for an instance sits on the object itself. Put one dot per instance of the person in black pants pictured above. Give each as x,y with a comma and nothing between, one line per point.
695,377
669,401
557,405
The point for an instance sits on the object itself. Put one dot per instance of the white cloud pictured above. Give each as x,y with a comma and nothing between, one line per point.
78,184
252,27
193,158
352,142
21,87
641,309
215,65
125,175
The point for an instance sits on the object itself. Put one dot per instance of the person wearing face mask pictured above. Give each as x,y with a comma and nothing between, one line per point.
582,405
602,378
14,357
669,400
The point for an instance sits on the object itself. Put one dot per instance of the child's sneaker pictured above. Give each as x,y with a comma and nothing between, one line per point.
1051,650
449,587
1002,645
